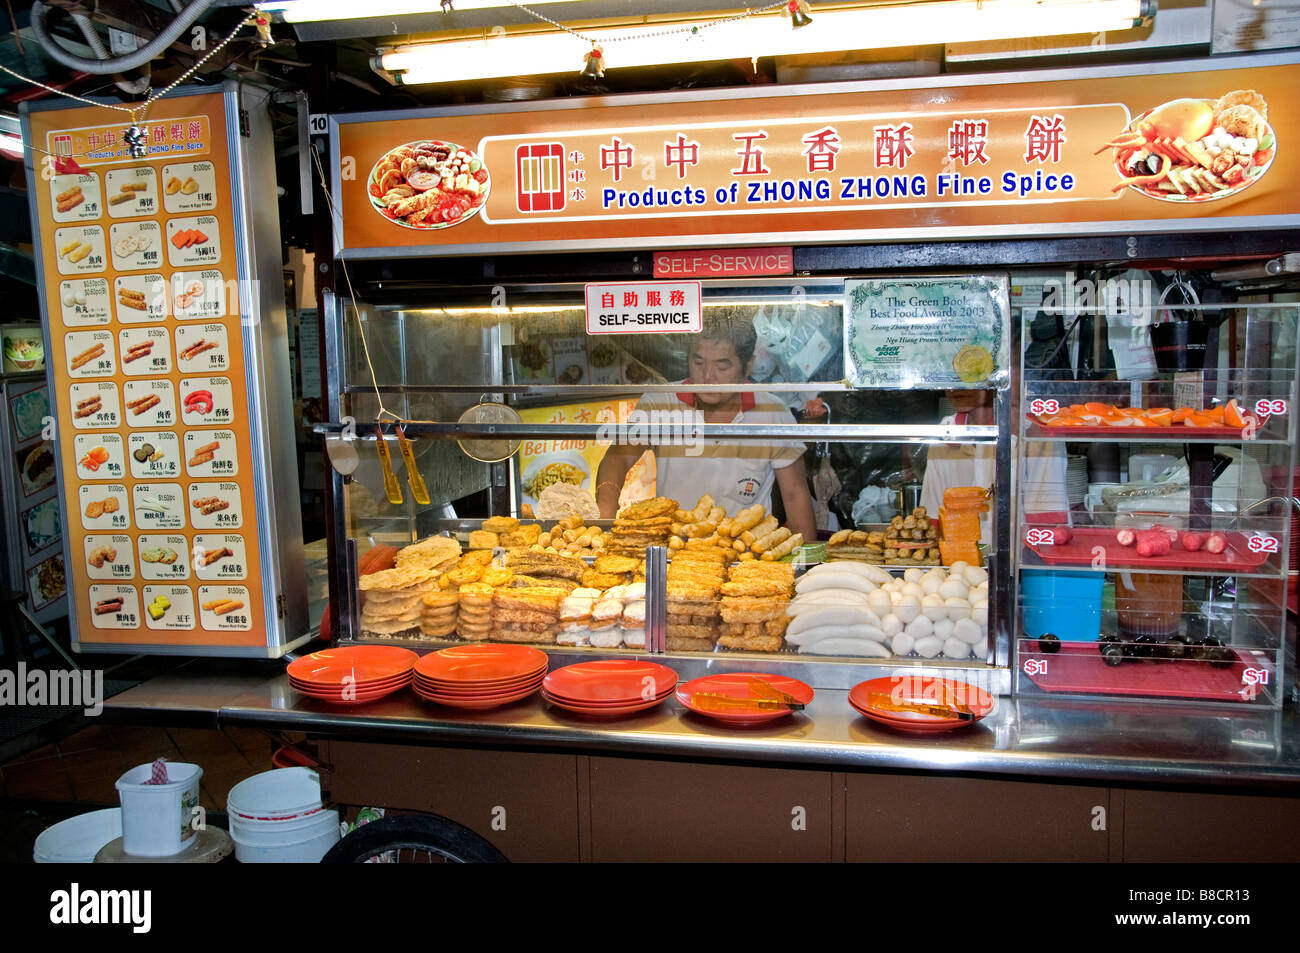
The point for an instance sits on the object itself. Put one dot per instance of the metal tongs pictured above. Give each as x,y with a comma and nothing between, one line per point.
392,489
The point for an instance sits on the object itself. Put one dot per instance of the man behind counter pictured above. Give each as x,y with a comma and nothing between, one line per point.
738,474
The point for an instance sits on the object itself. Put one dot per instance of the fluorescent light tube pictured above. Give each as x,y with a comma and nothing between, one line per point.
877,27
311,11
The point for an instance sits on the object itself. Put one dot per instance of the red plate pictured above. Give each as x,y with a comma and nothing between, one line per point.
481,663
603,712
1173,434
359,685
1079,668
364,663
906,688
912,726
462,685
610,680
425,688
479,704
614,704
1078,552
360,699
736,685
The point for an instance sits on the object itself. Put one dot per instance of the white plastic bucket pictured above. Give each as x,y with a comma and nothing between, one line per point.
300,841
156,818
78,839
281,794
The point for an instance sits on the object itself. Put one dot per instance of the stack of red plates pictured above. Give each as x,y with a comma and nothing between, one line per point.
737,685
354,674
872,698
610,687
480,676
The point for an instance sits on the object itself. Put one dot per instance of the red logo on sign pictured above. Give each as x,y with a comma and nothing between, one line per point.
539,177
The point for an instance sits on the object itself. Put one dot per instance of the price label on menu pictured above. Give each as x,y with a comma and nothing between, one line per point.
80,249
189,187
114,607
75,198
216,506
210,453
203,295
94,406
145,350
1262,543
224,607
104,506
206,400
193,241
202,348
158,505
84,302
164,557
169,607
155,454
140,298
90,353
108,557
219,556
131,192
1270,408
100,456
1044,407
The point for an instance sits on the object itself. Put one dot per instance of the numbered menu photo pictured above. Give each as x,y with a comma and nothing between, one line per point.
80,249
215,506
145,351
164,557
109,557
149,403
94,405
84,302
210,453
193,241
75,198
202,348
224,607
189,187
169,607
90,353
140,298
100,456
104,506
136,245
201,295
206,400
158,506
154,454
131,192
115,607
219,556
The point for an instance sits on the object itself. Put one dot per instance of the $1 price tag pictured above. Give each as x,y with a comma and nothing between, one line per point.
1039,406
1262,543
1035,666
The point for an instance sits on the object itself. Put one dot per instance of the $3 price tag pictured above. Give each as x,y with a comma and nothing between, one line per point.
1039,406
1270,408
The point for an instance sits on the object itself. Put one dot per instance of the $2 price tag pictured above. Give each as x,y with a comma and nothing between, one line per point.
1261,543
1041,537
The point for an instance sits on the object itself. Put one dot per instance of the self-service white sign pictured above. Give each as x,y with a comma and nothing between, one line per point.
644,307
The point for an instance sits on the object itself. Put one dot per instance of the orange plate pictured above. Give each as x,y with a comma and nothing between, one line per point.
362,663
736,685
480,663
906,688
598,712
609,680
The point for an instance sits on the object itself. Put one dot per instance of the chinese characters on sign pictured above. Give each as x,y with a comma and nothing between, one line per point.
644,307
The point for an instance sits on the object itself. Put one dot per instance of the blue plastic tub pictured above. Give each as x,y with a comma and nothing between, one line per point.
1066,604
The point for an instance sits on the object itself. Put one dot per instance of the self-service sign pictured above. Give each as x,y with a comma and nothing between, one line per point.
644,307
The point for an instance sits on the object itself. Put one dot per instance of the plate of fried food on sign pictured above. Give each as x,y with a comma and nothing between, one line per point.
1196,150
428,184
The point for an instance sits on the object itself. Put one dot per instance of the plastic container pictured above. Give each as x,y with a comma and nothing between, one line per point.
1066,604
303,840
78,839
280,795
156,817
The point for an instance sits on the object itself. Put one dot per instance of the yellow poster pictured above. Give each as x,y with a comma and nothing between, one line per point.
544,462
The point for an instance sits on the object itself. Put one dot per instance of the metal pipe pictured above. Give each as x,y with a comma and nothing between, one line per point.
132,87
129,61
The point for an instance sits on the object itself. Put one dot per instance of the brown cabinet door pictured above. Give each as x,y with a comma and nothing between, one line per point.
669,811
1176,827
954,819
525,804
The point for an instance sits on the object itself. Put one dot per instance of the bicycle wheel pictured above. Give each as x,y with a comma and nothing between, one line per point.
413,839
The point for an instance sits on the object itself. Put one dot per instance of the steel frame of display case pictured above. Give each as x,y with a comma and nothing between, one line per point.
994,675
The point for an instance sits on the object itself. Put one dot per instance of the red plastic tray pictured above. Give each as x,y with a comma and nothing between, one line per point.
1172,434
1078,552
1079,668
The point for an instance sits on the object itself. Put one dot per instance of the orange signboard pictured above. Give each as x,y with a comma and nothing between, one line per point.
911,160
140,278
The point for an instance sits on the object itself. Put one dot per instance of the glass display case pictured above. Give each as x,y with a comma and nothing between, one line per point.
694,482
1165,577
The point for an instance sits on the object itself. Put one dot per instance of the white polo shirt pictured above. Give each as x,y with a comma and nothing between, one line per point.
737,474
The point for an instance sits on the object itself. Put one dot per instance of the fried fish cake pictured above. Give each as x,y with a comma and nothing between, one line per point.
659,506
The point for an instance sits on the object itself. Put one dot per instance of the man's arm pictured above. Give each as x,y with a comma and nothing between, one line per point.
793,482
610,475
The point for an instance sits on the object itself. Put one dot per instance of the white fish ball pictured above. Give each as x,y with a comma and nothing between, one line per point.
902,644
955,648
908,608
913,589
980,649
895,597
943,628
957,568
967,630
957,609
974,575
928,647
913,575
891,624
879,602
932,605
920,627
954,589
930,585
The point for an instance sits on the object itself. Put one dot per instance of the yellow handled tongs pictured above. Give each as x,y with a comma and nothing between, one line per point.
413,478
883,702
392,489
716,701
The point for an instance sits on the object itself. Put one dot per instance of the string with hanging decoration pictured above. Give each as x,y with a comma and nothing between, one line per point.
593,61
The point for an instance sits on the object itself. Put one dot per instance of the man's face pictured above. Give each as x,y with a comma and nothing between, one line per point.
715,362
965,401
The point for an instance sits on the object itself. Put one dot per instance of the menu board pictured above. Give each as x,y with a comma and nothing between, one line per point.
147,365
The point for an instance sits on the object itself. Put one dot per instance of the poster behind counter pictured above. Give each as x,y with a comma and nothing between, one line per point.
162,392
1054,152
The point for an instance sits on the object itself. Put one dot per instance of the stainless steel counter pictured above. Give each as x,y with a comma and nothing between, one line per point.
1112,742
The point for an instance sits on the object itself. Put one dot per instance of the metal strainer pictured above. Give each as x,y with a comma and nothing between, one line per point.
488,450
